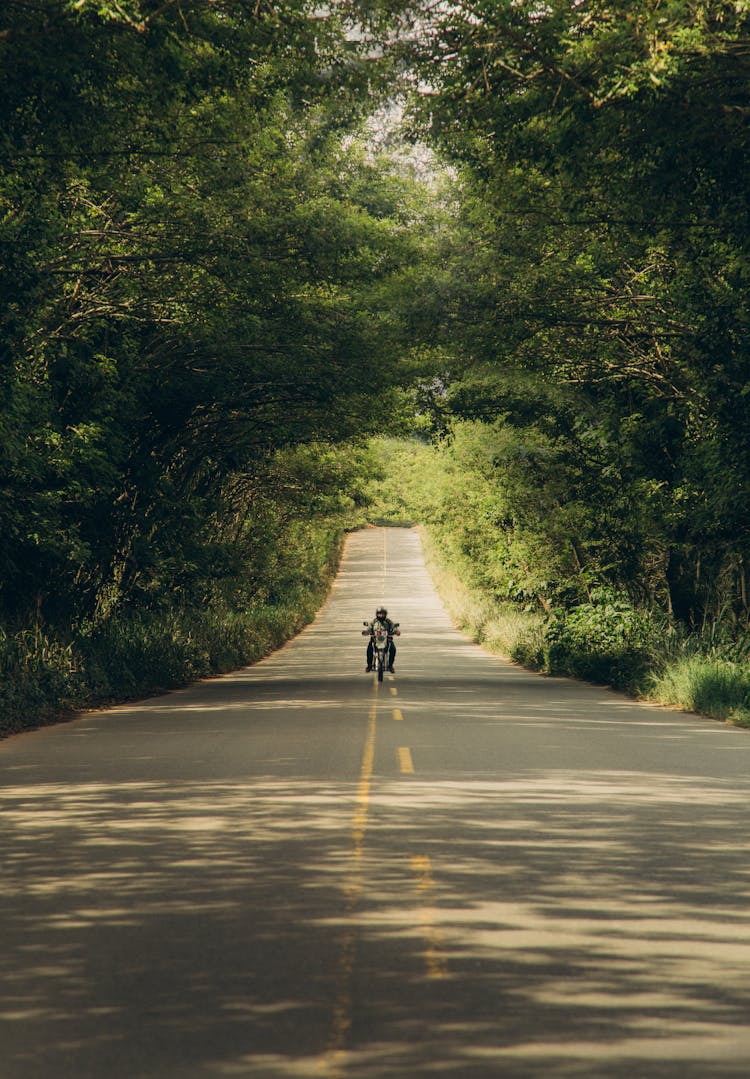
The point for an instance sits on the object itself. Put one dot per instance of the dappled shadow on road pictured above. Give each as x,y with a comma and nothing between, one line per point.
592,925
223,873
557,924
191,890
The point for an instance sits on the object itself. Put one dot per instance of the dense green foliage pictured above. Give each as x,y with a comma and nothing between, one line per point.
147,649
197,259
212,292
598,315
452,491
181,261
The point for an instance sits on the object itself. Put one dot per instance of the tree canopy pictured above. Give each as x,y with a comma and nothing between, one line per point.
603,323
195,263
209,282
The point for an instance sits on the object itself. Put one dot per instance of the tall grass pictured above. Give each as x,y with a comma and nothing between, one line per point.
38,679
711,685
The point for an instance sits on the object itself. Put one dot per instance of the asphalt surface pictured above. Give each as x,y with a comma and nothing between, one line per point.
467,871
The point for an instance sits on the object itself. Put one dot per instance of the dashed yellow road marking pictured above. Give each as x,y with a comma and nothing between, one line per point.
405,763
394,691
425,888
341,1021
398,714
359,826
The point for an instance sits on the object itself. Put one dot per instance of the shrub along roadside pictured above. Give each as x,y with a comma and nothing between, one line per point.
145,652
501,627
712,685
606,641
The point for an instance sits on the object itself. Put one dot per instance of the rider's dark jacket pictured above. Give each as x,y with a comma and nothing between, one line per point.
389,625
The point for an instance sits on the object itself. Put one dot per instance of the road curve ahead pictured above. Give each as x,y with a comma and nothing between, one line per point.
289,872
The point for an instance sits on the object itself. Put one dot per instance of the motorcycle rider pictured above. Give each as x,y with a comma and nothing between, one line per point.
381,618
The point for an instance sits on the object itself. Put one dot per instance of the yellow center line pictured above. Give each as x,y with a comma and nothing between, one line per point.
394,691
425,888
363,794
405,763
398,714
332,1062
385,567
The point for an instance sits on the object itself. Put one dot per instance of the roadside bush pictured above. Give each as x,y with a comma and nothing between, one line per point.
500,627
145,652
38,678
607,641
707,684
529,647
142,652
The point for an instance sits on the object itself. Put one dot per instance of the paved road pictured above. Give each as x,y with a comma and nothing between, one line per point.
469,871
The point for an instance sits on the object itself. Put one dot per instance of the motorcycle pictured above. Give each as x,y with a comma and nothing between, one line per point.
381,645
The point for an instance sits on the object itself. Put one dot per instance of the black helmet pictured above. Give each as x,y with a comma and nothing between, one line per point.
381,612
